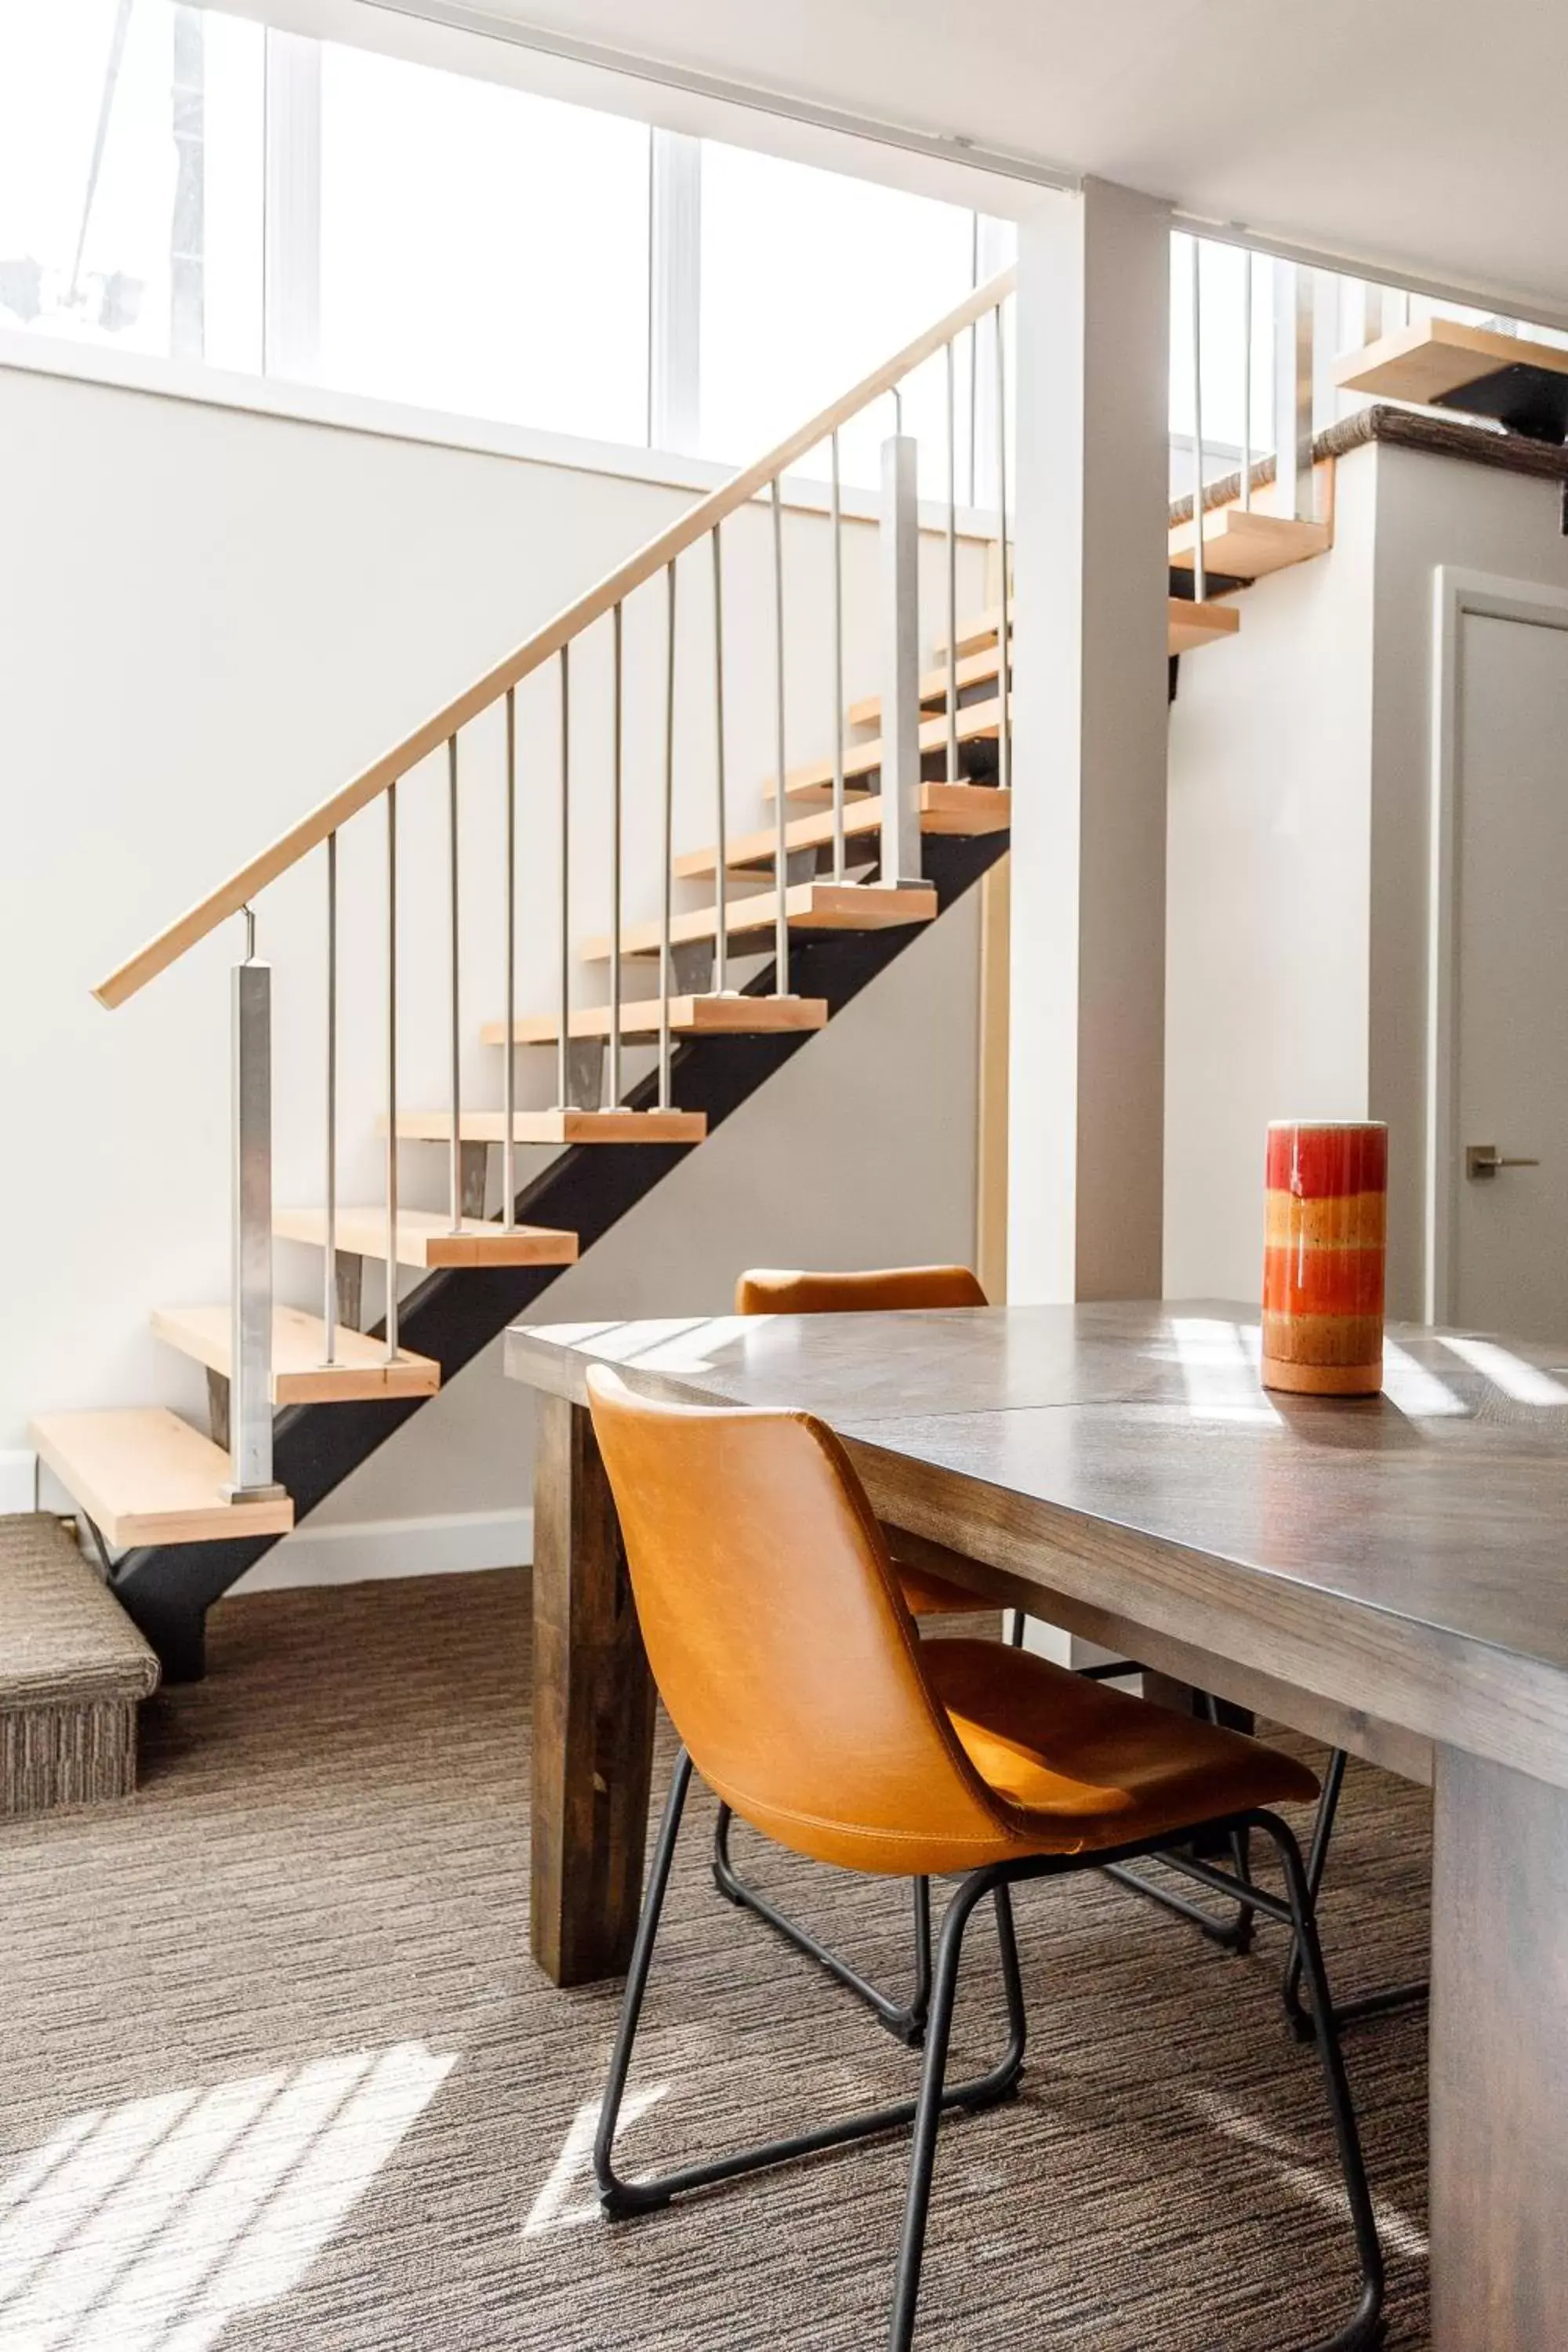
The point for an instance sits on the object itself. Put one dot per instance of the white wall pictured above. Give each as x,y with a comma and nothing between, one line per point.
1300,783
208,620
1430,511
1270,780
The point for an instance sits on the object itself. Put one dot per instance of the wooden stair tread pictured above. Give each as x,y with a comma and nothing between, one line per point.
1442,363
554,1127
974,669
808,906
1193,627
1181,636
1243,544
963,809
299,1344
146,1476
815,781
425,1238
690,1016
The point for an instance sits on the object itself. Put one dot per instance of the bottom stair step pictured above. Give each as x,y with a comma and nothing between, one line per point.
146,1476
73,1669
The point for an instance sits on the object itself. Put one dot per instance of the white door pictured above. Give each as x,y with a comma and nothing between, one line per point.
1508,938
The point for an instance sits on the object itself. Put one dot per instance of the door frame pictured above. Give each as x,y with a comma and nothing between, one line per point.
1458,594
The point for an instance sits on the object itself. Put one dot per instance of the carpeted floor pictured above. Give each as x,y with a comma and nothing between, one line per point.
279,2076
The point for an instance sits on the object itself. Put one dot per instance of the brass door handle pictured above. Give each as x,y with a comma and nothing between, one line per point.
1485,1159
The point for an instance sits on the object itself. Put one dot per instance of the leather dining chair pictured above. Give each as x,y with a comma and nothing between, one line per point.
787,1659
885,1290
768,1291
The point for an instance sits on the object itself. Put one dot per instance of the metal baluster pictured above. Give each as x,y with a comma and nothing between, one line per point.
616,793
952,774
780,833
392,1072
1200,570
1246,380
666,975
330,1274
1005,648
839,859
509,1068
250,1328
563,1096
456,1041
721,937
973,358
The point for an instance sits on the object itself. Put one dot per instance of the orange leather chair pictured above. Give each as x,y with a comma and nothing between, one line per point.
788,1660
765,1290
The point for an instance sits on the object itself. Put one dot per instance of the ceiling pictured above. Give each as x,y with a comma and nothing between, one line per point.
1418,137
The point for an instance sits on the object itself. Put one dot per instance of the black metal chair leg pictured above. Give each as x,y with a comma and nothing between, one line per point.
1366,2323
1300,2019
905,2021
934,2096
622,2200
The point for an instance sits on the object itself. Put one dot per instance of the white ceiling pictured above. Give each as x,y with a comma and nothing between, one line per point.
1422,136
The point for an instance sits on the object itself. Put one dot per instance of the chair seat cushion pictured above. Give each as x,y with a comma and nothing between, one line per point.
1080,1767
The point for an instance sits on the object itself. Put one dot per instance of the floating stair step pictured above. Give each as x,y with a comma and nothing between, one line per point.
299,1373
73,1669
813,783
964,809
425,1238
1180,637
1243,544
554,1127
974,669
808,906
1193,626
690,1016
1442,365
146,1476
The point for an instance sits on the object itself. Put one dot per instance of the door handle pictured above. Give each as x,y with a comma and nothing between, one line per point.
1485,1159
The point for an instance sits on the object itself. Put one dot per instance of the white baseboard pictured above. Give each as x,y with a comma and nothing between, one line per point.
455,1543
19,1481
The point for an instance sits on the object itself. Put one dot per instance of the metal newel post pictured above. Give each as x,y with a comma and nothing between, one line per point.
900,535
1200,562
250,1351
1294,326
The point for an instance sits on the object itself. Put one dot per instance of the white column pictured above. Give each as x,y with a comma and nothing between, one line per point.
1085,1083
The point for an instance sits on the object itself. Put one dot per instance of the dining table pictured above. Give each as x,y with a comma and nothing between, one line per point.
1386,1574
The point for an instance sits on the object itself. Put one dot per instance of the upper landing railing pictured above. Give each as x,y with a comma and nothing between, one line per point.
249,1414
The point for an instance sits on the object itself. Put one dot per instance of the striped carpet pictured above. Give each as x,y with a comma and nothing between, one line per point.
279,2076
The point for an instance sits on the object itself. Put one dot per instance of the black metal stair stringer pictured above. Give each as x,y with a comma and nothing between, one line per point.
168,1588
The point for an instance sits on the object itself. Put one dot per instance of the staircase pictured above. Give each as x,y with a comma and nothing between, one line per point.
782,926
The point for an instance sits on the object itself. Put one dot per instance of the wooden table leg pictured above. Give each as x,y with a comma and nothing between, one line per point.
1499,2060
592,1712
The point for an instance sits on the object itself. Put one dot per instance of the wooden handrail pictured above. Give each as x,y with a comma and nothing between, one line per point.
170,945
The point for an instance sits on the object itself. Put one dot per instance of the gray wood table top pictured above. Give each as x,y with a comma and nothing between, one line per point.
1139,1433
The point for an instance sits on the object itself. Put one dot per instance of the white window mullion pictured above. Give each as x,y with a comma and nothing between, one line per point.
291,272
674,292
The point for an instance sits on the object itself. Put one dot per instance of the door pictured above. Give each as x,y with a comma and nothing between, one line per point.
1506,1135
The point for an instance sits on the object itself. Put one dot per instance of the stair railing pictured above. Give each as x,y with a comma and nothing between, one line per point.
249,1416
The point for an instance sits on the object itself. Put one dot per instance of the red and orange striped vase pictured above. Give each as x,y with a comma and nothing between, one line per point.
1324,1257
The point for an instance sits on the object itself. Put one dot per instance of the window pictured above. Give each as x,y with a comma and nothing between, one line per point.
129,177
809,279
482,250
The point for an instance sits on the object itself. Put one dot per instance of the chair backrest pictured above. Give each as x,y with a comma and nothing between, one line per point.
776,1633
764,1290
